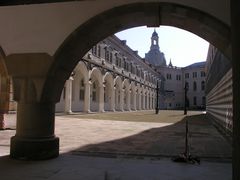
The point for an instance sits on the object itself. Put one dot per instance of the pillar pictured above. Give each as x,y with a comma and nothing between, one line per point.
112,100
34,138
128,100
134,100
86,106
140,100
121,99
101,98
235,31
68,96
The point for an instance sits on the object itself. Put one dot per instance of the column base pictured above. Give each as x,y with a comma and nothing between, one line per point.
34,149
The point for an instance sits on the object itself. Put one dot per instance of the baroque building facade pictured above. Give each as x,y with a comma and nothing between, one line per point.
113,77
174,79
110,77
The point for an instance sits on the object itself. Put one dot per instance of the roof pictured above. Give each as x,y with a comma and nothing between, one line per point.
197,64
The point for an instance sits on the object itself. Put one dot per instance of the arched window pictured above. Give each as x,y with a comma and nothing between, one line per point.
194,86
203,85
94,50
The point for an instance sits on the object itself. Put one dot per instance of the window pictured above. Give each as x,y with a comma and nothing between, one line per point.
186,75
81,91
99,51
125,64
169,76
194,74
194,86
107,55
203,74
178,77
94,92
203,85
110,60
94,50
194,100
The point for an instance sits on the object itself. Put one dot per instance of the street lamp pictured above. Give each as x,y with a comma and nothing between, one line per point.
186,104
157,99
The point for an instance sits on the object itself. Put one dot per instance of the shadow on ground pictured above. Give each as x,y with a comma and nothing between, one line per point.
204,140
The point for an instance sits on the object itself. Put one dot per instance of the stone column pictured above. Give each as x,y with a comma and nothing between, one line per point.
128,100
121,99
86,107
134,100
112,100
140,100
235,31
101,98
68,96
35,138
150,101
143,101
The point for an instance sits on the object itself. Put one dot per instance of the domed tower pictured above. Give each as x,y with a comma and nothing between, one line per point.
155,56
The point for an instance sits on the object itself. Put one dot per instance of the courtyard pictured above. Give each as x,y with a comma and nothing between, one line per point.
115,145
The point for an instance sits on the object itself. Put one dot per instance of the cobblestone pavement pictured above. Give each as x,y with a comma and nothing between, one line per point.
134,133
142,143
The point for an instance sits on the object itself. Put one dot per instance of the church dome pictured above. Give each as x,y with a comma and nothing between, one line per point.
155,56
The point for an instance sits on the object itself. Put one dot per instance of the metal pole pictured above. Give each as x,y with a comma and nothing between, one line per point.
185,98
157,103
186,141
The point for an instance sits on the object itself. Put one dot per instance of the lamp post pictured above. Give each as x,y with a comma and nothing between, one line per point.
157,101
185,98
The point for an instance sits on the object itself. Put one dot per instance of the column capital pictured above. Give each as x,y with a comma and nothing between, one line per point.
29,72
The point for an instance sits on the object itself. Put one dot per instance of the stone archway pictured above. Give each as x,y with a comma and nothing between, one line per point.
124,17
98,28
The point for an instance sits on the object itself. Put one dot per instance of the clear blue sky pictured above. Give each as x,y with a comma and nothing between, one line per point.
182,47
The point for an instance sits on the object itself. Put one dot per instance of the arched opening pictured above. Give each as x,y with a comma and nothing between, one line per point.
87,35
118,94
108,92
123,17
96,90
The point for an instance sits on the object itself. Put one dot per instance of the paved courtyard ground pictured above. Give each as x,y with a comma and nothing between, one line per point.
136,140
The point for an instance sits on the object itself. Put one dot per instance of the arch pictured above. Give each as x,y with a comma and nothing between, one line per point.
96,93
108,92
123,17
95,74
118,93
108,78
81,77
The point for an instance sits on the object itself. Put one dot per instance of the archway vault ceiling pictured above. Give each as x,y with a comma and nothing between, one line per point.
43,27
